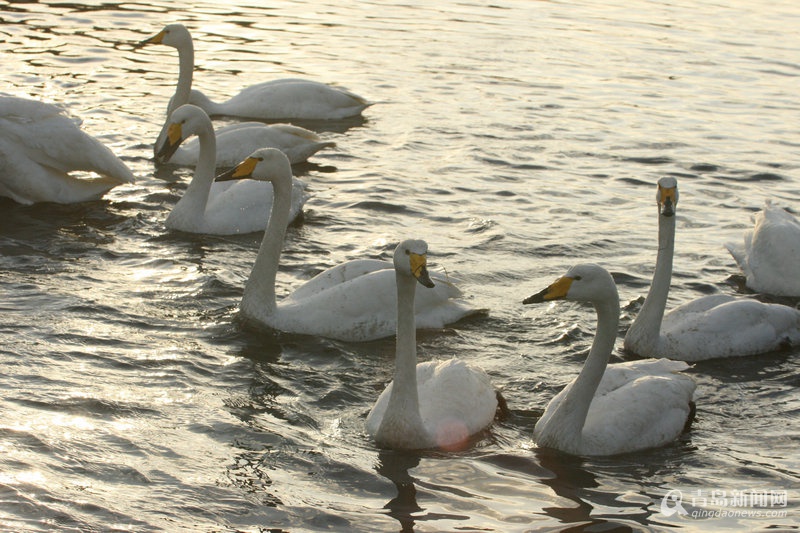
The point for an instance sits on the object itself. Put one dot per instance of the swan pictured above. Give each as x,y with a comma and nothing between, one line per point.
235,144
711,326
770,255
218,208
427,405
281,99
353,301
40,145
612,409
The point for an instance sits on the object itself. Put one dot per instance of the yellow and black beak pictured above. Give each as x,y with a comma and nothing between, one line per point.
158,38
419,269
242,171
171,142
556,291
667,200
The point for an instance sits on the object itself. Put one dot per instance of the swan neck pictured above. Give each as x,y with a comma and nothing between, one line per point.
647,325
185,68
259,293
572,413
195,199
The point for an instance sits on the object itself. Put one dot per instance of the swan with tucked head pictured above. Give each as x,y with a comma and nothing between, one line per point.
427,405
218,208
770,254
611,409
708,327
40,146
282,99
353,301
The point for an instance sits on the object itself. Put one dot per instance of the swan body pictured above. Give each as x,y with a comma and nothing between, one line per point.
708,327
354,301
40,145
770,254
282,99
431,404
215,207
612,409
234,144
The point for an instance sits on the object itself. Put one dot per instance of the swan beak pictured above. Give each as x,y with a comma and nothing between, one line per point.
667,200
241,171
419,268
555,291
171,143
155,39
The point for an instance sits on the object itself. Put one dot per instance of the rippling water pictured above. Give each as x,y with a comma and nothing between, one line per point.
517,138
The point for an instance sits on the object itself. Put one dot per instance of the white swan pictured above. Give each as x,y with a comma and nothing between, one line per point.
282,99
40,145
612,409
770,254
708,327
235,144
427,405
354,301
218,208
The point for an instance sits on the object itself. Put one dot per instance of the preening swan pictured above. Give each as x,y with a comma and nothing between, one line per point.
708,327
354,301
428,405
611,409
770,254
282,99
218,208
40,145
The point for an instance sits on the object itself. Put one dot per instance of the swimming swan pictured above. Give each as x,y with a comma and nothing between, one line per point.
281,99
712,326
235,144
770,255
354,301
40,145
427,405
218,208
612,409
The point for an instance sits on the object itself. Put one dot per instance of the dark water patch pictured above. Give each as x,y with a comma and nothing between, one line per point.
704,167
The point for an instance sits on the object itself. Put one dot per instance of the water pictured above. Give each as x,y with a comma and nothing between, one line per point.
517,138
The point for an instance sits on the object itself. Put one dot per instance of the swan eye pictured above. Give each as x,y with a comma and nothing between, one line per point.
577,278
408,252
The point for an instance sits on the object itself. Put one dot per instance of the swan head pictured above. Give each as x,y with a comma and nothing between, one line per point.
667,196
174,35
184,122
265,164
582,283
411,259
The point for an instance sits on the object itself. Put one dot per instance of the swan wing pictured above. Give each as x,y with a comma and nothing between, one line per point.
357,301
638,405
234,207
236,142
456,401
288,99
41,145
724,326
771,253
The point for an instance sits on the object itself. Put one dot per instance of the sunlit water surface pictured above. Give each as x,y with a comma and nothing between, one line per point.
517,138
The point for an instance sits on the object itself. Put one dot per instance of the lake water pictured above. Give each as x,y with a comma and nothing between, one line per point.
517,138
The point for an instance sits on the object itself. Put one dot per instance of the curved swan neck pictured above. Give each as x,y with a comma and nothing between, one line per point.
647,325
185,69
259,293
196,196
570,417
